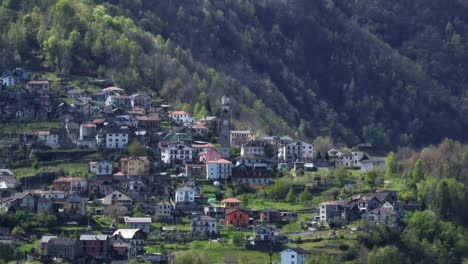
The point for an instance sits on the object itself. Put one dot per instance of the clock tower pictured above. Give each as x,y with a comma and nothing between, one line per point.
225,127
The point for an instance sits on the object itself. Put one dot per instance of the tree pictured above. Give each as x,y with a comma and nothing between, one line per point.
136,149
138,210
391,165
386,255
323,144
291,196
17,231
245,200
443,199
418,172
305,195
278,190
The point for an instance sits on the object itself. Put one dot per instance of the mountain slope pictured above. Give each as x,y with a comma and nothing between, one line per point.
305,67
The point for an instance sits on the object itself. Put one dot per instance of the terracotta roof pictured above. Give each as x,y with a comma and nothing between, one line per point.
179,113
329,203
88,125
134,158
207,145
43,133
231,200
63,179
150,118
119,174
99,121
220,161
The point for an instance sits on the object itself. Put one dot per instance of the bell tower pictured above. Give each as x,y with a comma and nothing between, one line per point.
225,127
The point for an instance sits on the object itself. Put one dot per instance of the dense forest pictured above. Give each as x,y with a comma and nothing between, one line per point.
387,73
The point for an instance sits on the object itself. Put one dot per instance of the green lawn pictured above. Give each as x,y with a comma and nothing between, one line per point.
73,169
219,252
25,127
261,204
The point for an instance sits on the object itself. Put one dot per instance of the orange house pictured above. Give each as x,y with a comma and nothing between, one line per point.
237,218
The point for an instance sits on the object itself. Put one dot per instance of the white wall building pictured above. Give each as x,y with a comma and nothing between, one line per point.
218,169
253,148
204,224
116,140
100,168
185,195
181,117
49,139
176,153
296,150
143,223
294,256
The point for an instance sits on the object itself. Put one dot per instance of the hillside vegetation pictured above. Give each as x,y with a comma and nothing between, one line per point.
387,73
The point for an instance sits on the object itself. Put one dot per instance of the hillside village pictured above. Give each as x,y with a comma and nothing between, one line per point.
96,173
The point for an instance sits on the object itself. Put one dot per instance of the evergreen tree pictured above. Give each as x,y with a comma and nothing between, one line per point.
418,172
291,196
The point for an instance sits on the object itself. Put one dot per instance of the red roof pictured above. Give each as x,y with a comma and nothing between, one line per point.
89,125
43,133
207,145
179,113
134,158
63,179
231,200
329,203
99,121
219,161
148,118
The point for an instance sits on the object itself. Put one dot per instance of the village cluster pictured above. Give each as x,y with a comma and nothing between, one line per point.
165,183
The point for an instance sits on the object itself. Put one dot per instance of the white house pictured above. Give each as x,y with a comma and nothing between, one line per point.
253,148
48,138
143,223
101,168
176,153
164,210
116,139
117,197
181,117
330,210
136,238
112,91
122,101
296,150
294,256
367,158
218,169
204,224
185,195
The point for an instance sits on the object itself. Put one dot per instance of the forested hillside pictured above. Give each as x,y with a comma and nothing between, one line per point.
390,73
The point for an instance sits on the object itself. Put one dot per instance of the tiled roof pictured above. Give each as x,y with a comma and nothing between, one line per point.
231,200
219,161
128,219
179,113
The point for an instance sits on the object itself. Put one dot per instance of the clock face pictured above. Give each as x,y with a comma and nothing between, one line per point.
225,122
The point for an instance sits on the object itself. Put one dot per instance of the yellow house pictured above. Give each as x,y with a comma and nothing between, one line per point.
135,166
